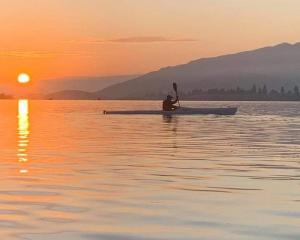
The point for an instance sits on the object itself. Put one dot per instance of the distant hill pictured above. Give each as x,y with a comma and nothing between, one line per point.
275,67
82,83
70,95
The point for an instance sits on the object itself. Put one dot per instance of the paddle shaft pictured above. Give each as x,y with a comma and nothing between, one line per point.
176,91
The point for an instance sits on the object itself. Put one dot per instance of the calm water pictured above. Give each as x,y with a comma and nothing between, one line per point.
68,172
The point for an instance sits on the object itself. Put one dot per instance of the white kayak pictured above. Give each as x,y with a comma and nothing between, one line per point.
179,111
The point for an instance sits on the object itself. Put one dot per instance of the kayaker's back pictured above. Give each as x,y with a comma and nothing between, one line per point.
168,104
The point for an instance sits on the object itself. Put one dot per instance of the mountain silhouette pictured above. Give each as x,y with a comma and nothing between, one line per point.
274,66
81,83
70,95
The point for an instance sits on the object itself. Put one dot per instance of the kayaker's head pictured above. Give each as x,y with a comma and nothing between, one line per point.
169,97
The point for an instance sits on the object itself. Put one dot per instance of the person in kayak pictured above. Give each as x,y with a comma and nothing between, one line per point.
168,103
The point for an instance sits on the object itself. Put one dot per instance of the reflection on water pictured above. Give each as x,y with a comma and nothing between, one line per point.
95,176
23,133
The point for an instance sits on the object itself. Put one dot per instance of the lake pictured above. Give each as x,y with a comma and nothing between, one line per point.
69,172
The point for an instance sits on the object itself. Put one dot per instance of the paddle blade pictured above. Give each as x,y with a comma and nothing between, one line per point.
175,87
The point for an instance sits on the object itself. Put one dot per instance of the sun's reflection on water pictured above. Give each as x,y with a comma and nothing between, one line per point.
23,132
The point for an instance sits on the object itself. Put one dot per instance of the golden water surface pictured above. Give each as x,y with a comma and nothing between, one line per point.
69,172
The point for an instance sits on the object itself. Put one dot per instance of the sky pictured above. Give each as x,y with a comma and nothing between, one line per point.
58,38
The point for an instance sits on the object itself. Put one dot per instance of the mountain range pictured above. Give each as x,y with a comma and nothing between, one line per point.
81,83
274,66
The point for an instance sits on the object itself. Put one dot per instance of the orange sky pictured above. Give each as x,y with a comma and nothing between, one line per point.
56,38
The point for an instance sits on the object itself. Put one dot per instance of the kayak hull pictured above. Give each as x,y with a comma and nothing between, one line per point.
180,111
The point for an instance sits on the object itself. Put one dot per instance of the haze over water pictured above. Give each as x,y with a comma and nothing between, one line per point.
69,172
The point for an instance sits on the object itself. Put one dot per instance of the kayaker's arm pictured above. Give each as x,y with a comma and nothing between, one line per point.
175,101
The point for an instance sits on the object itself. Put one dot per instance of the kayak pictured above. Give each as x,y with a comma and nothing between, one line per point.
179,111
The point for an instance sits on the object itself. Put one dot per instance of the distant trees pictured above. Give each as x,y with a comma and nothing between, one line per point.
5,96
253,89
236,94
265,90
240,94
296,91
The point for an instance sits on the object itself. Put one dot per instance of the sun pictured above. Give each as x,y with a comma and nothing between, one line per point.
23,78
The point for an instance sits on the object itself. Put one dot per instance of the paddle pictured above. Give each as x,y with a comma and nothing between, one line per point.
176,91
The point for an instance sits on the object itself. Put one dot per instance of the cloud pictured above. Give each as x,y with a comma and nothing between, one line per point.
38,54
141,39
24,54
150,39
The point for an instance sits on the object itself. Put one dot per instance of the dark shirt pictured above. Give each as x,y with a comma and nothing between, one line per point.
168,105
